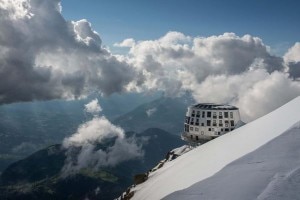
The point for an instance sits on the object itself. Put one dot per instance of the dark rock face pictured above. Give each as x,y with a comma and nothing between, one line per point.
140,178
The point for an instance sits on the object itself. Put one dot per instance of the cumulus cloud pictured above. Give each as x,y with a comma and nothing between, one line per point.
43,56
225,69
98,143
292,58
166,61
255,92
293,53
129,42
93,107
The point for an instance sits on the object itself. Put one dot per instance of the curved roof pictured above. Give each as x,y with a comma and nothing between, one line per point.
212,106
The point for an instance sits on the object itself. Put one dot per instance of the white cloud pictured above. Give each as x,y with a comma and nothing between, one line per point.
292,60
94,131
93,107
223,69
16,9
129,42
268,94
98,143
255,92
58,58
293,54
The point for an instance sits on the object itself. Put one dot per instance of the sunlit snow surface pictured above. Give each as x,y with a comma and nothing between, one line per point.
270,172
263,174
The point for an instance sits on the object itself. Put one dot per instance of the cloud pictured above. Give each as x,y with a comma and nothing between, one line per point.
151,111
292,58
293,53
43,56
93,107
16,8
255,92
225,69
98,143
130,42
163,61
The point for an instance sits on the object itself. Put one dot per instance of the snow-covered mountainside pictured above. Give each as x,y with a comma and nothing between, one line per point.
251,162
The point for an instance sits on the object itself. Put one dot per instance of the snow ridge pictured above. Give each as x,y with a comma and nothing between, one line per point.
209,158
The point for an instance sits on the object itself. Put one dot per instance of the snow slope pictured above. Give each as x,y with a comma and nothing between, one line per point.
208,159
269,173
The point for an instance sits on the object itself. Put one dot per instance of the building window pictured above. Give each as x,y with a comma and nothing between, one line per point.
226,123
214,122
226,129
196,129
197,138
198,114
191,128
231,122
208,122
187,128
214,115
208,114
222,130
231,114
220,123
202,124
192,121
193,113
220,115
225,114
191,136
203,114
187,120
209,129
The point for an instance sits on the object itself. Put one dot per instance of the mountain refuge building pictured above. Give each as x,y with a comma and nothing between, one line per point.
206,121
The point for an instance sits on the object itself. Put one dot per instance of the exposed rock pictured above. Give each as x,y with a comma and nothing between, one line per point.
140,178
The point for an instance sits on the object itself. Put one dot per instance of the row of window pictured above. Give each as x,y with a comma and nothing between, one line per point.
212,129
210,114
210,122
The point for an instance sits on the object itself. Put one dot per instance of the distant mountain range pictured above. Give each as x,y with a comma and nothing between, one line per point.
164,113
38,176
28,127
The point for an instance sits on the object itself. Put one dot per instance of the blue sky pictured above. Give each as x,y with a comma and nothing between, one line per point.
276,22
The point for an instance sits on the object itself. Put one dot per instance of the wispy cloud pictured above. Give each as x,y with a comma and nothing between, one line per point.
151,111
